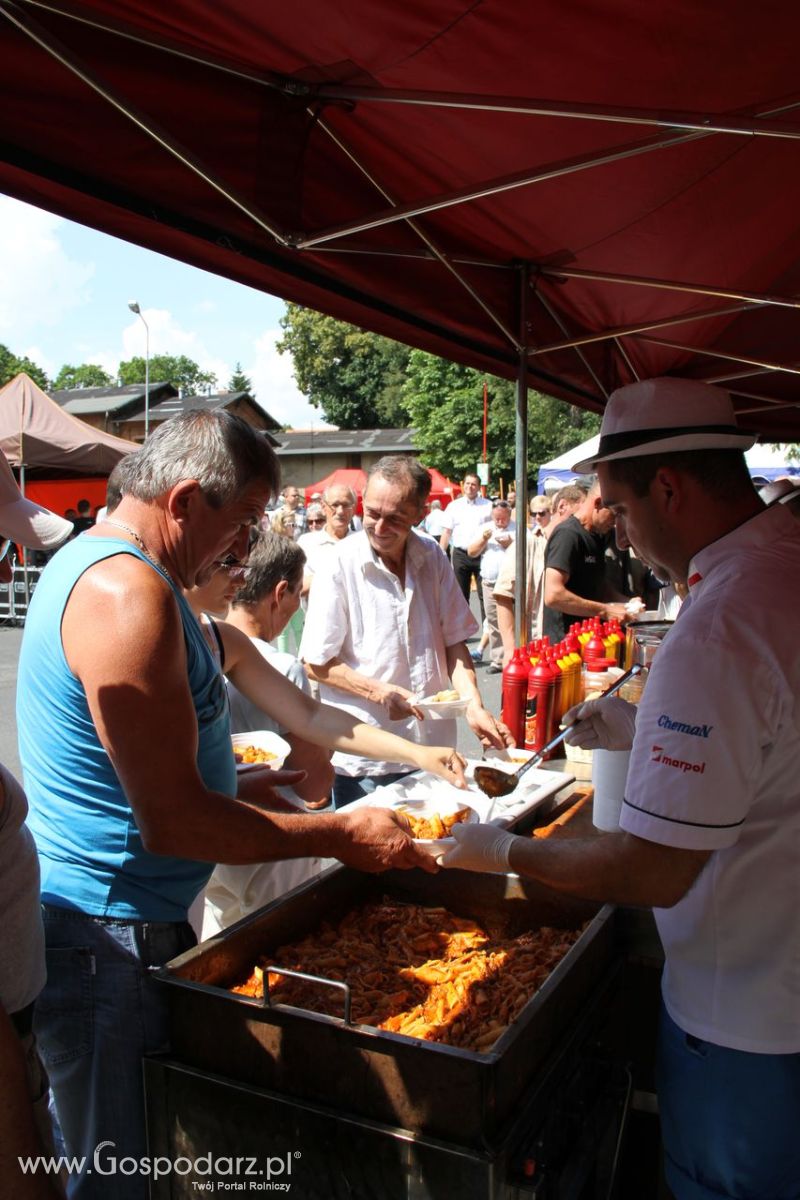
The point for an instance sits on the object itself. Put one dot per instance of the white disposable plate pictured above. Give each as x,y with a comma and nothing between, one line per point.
262,739
441,709
427,806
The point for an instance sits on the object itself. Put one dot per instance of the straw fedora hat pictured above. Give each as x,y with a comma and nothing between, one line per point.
664,415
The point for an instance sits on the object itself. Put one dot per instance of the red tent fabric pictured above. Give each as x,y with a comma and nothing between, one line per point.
345,476
396,165
442,488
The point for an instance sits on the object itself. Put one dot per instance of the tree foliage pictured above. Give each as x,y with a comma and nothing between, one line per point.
355,378
12,364
239,382
87,375
445,402
182,372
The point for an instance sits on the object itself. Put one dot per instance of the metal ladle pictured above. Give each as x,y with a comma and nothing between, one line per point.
496,783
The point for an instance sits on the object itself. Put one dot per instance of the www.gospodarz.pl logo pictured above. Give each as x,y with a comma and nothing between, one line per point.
216,1173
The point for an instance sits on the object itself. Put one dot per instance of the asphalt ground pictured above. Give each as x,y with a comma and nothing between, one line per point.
11,638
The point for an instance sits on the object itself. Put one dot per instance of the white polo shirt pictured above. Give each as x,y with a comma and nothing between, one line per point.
359,611
464,518
716,766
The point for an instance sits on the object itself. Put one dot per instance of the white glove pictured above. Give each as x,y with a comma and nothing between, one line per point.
602,724
480,848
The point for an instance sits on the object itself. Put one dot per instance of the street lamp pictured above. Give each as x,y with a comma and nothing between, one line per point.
133,305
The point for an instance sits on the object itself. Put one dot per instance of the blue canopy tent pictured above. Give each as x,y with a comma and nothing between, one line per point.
765,462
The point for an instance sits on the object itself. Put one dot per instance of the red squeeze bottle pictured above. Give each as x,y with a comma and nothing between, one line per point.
541,697
515,691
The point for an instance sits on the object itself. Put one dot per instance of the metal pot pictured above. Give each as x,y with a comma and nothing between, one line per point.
643,635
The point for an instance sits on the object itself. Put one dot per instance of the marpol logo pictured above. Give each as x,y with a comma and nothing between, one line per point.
660,757
703,731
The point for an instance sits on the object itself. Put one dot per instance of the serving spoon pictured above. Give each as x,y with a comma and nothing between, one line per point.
497,783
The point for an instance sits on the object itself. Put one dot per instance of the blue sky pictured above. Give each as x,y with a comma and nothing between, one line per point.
64,292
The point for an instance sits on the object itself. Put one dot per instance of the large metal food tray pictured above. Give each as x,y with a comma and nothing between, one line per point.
440,1090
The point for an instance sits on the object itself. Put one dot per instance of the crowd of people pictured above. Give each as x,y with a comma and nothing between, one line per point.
153,635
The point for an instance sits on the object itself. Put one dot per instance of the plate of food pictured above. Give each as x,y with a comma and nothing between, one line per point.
432,820
259,749
441,705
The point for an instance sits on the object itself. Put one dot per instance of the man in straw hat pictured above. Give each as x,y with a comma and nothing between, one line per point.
710,827
24,1117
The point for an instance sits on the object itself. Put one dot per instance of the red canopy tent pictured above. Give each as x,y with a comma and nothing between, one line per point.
441,488
575,197
346,476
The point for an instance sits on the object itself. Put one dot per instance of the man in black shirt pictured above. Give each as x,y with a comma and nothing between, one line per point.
575,586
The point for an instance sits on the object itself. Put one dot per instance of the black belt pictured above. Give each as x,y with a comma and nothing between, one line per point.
23,1020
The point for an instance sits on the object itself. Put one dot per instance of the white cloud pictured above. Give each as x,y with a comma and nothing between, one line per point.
167,336
39,282
275,387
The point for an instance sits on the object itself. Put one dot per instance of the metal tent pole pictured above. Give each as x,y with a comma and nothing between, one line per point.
521,459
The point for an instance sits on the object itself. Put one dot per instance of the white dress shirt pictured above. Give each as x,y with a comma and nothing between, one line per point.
714,766
359,612
464,518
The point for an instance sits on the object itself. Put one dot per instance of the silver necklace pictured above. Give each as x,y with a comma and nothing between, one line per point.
140,542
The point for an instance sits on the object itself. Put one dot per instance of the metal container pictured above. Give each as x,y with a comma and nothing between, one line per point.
643,636
442,1091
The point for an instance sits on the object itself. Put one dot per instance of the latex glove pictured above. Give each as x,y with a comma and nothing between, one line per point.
479,848
602,724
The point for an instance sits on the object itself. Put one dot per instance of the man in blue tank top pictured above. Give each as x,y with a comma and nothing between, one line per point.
124,740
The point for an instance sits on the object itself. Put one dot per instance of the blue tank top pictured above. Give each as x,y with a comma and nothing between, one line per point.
90,849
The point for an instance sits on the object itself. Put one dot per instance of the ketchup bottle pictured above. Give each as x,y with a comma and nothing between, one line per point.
515,691
539,712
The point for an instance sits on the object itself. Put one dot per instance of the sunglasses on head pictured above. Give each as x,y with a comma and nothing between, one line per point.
5,546
501,504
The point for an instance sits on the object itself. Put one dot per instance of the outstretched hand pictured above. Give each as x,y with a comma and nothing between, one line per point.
377,839
479,848
490,730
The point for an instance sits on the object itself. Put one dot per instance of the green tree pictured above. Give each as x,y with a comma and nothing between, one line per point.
87,375
12,364
239,382
356,378
445,402
182,372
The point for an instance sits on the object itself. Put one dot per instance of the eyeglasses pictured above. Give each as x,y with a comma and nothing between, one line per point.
339,503
316,521
235,570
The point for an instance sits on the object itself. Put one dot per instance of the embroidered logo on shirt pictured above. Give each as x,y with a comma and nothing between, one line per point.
660,757
665,722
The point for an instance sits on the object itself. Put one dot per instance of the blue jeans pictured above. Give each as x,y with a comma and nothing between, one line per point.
98,1015
729,1119
351,787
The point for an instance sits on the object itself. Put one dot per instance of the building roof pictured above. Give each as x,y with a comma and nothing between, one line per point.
172,405
343,441
84,402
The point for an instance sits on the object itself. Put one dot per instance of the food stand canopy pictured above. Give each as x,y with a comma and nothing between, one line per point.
38,435
601,192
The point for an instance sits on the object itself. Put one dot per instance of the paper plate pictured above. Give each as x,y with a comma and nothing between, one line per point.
264,740
441,709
